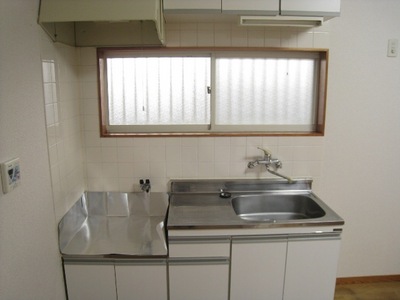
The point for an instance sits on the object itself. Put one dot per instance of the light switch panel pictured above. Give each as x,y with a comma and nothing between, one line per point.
10,175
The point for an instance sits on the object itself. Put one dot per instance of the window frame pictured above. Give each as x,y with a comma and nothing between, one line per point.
154,130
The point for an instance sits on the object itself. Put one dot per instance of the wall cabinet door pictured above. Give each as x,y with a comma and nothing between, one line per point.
311,268
90,281
144,279
310,8
251,7
199,279
192,6
258,268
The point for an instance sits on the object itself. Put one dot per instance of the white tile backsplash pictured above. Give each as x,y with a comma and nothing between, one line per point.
119,163
63,115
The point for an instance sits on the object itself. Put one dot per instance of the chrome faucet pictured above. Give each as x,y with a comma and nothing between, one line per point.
145,185
272,164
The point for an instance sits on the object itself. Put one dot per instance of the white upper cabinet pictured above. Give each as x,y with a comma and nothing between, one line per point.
251,7
310,8
192,6
315,8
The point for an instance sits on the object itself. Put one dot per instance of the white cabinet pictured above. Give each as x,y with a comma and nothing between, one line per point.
291,268
199,279
199,269
123,279
310,8
258,265
192,6
89,281
252,7
317,8
142,279
311,268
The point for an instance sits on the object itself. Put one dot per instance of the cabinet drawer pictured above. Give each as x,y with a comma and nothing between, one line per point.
199,247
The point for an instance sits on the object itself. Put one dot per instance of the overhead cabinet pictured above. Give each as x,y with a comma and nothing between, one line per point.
251,7
311,8
192,6
87,23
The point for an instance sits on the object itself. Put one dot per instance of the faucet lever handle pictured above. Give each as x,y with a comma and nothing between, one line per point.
266,151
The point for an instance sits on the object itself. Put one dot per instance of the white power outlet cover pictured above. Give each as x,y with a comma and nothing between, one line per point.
10,175
393,48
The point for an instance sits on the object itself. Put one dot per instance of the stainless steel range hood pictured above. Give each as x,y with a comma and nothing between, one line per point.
103,22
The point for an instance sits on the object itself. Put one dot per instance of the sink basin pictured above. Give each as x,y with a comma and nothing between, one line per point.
276,207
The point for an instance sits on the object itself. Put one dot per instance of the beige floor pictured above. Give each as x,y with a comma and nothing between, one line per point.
368,291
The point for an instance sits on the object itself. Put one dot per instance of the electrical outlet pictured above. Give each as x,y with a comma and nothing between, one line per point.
393,48
10,175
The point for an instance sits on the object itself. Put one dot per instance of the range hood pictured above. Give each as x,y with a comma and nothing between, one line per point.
103,22
281,21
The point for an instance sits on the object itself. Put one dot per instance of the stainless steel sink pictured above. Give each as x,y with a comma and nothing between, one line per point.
247,203
276,207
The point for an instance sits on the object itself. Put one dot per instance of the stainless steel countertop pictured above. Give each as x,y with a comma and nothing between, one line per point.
115,224
194,205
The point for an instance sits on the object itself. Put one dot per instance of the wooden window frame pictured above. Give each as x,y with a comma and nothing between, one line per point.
321,98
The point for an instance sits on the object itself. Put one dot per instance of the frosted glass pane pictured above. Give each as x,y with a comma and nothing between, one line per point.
158,90
265,91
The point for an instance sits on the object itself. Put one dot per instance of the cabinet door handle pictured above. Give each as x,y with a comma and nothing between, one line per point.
315,236
198,240
199,261
259,239
142,262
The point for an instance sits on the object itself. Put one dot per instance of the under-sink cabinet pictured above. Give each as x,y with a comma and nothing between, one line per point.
199,268
284,267
120,279
258,265
311,266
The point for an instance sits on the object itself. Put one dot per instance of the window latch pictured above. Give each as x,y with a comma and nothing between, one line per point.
209,90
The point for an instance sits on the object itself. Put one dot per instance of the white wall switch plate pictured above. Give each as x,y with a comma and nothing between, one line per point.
393,48
10,175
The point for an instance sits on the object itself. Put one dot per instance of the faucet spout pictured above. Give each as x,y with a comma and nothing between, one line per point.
290,180
271,164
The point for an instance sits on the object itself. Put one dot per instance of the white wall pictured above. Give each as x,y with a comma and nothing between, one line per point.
354,165
30,266
362,142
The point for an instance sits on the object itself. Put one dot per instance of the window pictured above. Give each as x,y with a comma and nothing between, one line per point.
212,92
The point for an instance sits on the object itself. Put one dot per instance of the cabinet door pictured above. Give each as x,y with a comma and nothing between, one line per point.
258,268
316,8
199,279
144,279
192,6
90,281
311,268
251,7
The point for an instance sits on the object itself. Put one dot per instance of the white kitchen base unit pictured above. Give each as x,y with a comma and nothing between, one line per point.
288,267
311,267
199,279
258,265
90,281
199,268
121,279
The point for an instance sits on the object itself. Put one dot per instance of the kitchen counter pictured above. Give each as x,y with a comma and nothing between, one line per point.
115,224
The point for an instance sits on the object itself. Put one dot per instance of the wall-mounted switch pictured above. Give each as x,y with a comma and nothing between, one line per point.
393,48
10,175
